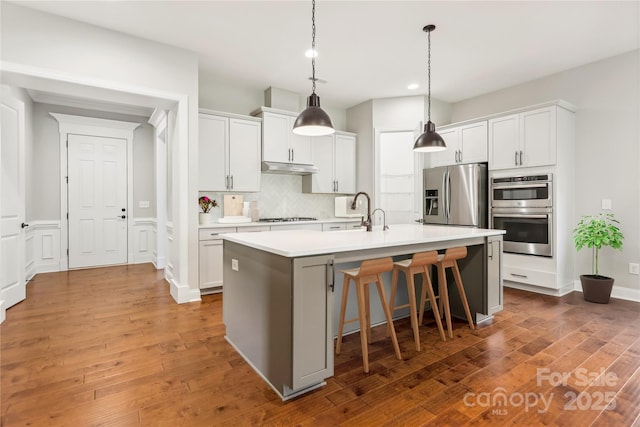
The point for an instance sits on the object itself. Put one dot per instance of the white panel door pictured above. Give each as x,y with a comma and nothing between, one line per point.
12,210
97,188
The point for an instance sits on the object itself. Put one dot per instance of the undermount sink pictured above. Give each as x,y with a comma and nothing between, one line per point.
233,219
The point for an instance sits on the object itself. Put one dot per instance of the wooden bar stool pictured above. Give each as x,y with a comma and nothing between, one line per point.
450,260
370,271
416,265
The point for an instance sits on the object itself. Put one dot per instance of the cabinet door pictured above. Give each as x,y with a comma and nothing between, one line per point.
447,157
538,137
301,145
210,264
345,164
503,142
474,143
312,312
213,136
494,274
244,155
275,138
323,181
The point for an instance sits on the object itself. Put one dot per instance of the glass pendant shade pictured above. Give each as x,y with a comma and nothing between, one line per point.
429,141
313,121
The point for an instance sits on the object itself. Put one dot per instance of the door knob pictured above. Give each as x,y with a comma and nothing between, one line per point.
123,216
23,225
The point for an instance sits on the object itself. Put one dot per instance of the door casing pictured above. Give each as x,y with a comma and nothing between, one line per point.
98,127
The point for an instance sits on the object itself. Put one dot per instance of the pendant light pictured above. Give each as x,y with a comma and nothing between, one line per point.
313,121
429,141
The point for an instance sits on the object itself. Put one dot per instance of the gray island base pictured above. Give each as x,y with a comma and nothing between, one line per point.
280,288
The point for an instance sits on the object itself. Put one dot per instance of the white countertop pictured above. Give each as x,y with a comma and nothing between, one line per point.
275,224
296,243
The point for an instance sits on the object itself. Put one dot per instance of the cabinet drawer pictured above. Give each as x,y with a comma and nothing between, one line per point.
353,226
334,226
530,277
214,233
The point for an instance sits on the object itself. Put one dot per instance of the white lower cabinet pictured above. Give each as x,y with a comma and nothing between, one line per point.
210,257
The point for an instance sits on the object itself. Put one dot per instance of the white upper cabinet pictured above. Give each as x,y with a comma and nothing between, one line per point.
280,144
525,139
335,157
345,163
229,153
465,144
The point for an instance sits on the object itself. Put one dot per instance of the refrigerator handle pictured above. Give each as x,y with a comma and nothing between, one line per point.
447,195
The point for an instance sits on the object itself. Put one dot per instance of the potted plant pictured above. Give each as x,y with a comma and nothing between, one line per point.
206,204
596,231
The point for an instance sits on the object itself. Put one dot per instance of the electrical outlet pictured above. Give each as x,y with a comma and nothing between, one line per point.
606,204
634,268
144,203
234,264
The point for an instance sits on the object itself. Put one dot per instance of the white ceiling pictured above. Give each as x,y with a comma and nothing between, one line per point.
374,49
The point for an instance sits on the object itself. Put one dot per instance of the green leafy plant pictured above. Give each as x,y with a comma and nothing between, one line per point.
596,231
206,204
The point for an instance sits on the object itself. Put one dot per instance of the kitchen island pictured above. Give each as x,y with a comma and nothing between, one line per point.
279,291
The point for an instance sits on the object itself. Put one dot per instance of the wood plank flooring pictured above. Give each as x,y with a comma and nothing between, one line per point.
110,347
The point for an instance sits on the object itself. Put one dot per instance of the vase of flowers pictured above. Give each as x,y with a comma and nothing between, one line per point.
206,204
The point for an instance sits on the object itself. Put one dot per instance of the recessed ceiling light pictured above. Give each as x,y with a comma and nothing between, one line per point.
413,86
310,53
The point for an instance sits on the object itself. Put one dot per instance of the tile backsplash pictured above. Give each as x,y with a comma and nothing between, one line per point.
281,196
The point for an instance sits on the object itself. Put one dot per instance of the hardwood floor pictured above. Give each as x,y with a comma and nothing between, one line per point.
110,347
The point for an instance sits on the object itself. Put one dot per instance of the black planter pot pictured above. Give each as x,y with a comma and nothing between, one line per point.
596,288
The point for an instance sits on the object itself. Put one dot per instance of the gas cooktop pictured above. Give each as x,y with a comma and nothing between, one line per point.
288,219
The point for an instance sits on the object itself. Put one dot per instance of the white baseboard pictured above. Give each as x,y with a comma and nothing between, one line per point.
617,292
183,294
3,312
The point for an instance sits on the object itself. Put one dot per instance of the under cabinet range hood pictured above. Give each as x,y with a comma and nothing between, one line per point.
288,168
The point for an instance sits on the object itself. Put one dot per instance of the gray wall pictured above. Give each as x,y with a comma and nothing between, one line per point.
221,93
44,172
607,95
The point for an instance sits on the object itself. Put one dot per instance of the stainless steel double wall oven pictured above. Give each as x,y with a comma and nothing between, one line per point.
523,207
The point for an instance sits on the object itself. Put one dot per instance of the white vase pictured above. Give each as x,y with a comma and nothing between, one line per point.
205,218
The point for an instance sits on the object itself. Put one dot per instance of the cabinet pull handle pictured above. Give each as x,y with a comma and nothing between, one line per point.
524,276
293,153
215,234
337,186
520,158
460,156
226,182
232,182
330,281
334,228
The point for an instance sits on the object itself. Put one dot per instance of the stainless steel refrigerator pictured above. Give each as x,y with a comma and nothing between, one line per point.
456,195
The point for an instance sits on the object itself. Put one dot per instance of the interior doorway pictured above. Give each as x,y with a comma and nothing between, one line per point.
96,191
398,177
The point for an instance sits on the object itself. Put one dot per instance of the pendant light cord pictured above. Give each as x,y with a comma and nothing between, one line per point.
313,45
429,75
